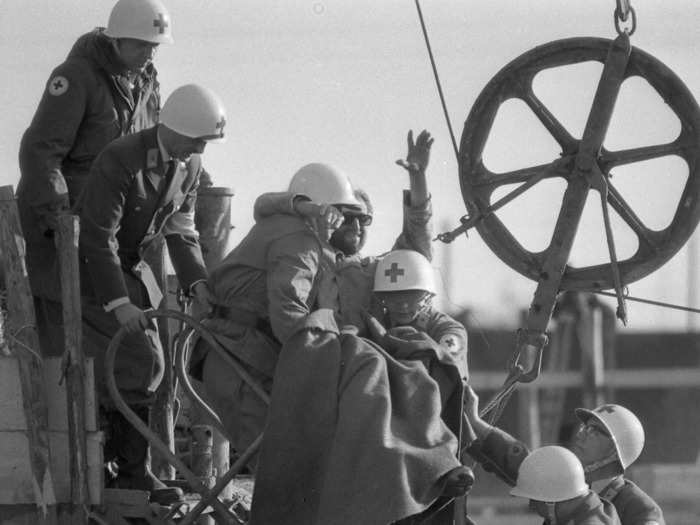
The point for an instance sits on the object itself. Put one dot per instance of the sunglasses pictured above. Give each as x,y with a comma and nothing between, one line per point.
362,218
590,428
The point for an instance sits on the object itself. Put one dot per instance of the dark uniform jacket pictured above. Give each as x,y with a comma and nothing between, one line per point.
502,454
131,197
634,506
591,510
87,103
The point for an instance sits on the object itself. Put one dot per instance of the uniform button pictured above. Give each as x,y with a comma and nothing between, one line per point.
137,208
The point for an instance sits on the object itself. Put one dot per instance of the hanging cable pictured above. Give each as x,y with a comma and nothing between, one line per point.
437,81
655,303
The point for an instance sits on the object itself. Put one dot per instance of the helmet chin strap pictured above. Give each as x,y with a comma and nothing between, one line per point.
592,467
551,518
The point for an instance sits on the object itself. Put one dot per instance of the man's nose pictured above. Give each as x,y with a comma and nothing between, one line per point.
150,52
355,224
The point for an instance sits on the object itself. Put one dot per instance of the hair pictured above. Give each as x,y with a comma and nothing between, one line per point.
363,197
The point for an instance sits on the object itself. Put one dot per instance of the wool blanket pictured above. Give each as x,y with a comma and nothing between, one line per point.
353,436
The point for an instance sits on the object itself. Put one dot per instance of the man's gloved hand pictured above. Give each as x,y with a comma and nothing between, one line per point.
48,216
203,300
326,218
418,153
131,318
402,342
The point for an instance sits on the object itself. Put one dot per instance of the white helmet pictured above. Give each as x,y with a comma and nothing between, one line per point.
404,270
624,428
146,20
550,474
195,111
324,184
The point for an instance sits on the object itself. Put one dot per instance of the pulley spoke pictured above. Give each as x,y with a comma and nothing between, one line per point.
555,128
624,210
540,172
610,159
614,268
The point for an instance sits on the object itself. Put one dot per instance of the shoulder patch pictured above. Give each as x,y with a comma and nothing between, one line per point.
58,85
152,158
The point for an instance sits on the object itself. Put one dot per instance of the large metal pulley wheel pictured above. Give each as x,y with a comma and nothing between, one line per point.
655,247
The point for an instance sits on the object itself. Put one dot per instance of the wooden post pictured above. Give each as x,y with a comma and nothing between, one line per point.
23,341
592,356
67,248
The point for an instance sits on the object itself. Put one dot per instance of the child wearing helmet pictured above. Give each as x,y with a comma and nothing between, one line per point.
404,287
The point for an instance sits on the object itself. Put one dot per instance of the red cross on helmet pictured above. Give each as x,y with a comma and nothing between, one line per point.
146,20
401,270
624,427
196,112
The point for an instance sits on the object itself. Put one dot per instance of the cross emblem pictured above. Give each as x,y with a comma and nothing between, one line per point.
609,409
449,341
57,85
394,272
161,23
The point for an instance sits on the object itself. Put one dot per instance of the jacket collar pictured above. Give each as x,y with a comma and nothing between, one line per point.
587,503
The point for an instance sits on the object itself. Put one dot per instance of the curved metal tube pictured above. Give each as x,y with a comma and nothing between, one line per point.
209,495
180,359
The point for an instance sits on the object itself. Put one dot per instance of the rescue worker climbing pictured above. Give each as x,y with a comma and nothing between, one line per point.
552,479
609,439
141,187
106,88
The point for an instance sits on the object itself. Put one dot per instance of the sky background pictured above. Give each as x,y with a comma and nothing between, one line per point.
342,81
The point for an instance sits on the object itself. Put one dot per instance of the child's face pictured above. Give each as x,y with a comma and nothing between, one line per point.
404,306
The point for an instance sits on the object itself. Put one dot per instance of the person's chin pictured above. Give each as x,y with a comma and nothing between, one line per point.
576,449
403,319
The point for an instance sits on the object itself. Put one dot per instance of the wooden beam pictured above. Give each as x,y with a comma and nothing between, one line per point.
643,378
67,248
23,341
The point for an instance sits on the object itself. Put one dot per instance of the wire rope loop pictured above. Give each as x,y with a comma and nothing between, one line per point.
623,7
621,17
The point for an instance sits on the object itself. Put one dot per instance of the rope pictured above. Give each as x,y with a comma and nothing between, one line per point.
437,81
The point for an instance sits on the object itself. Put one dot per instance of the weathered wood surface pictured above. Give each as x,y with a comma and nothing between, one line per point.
16,480
23,342
67,248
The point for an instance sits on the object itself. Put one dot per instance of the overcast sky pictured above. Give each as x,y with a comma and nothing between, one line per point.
342,81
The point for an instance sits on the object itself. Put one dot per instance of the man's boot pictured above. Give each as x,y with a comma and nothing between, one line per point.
133,457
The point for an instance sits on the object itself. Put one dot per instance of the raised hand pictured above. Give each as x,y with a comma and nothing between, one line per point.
418,154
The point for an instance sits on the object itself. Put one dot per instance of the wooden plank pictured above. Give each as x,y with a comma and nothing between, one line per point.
24,343
11,395
67,248
11,407
57,395
17,481
644,378
673,482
